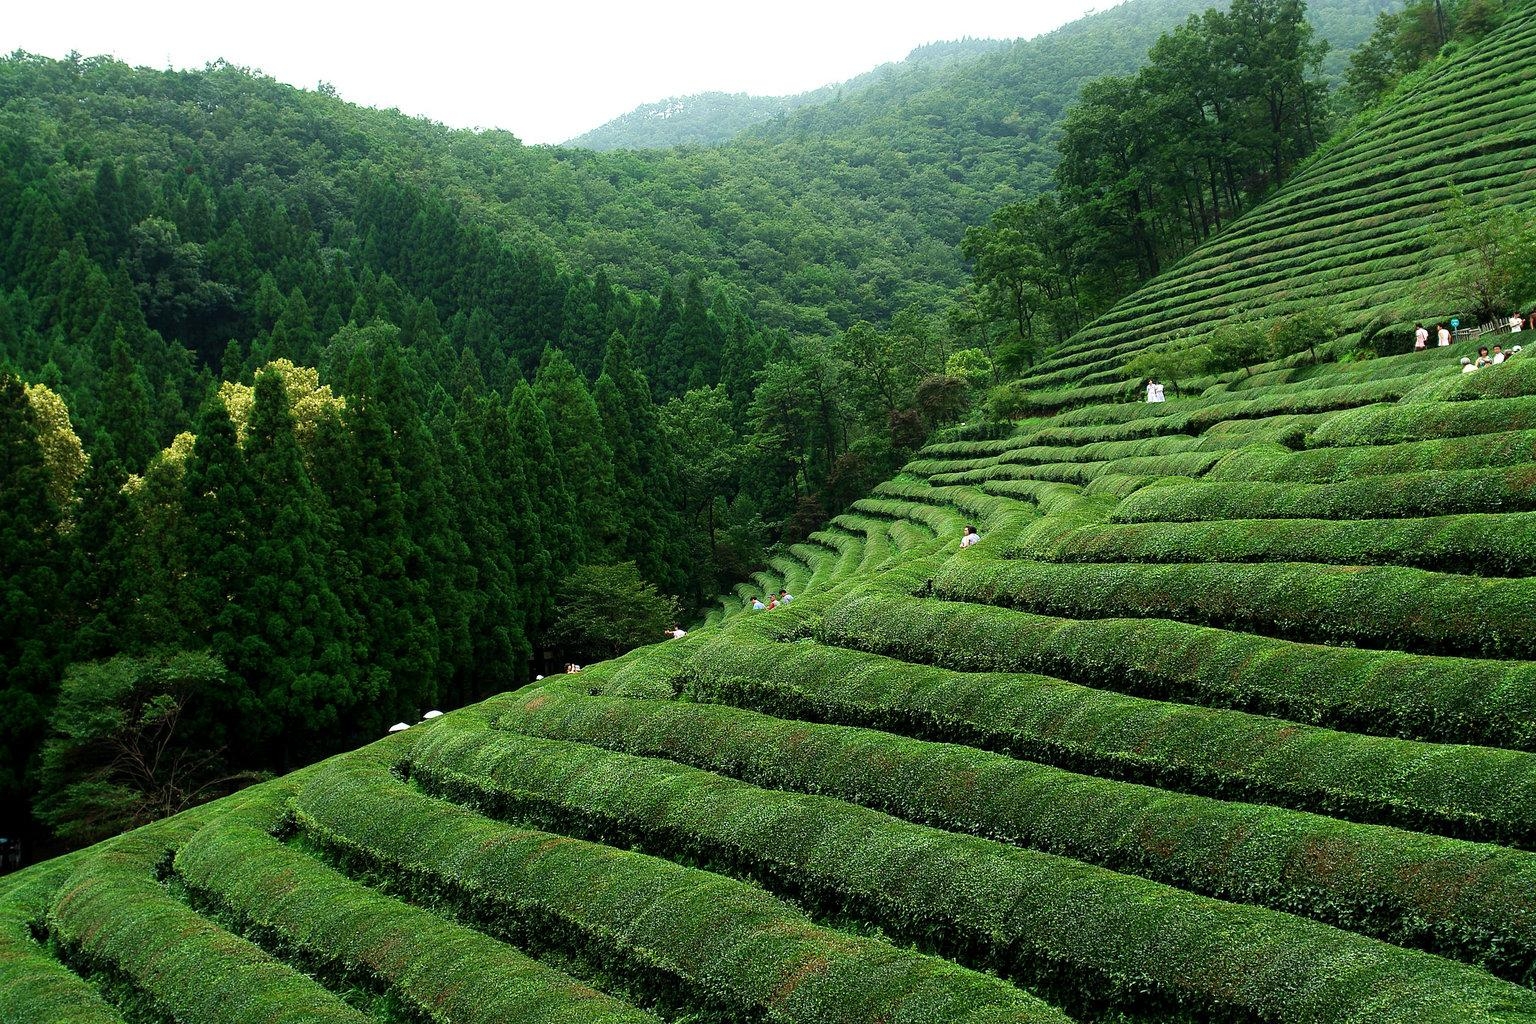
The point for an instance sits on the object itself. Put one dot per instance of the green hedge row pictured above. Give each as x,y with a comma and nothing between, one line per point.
1084,473
34,985
730,947
1449,896
1284,427
1386,693
112,915
1480,793
1018,910
1330,465
1396,495
971,502
1380,606
1257,403
1022,454
443,970
1486,545
1422,421
1511,379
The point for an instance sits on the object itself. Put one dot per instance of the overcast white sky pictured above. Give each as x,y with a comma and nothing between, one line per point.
545,71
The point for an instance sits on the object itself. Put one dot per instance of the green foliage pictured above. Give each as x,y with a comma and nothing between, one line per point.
1493,245
114,916
1403,609
343,928
605,610
1231,850
133,740
1237,346
1417,696
704,939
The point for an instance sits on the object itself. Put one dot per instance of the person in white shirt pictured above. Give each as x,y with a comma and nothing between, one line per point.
970,538
758,605
1420,338
1154,390
1515,323
1442,335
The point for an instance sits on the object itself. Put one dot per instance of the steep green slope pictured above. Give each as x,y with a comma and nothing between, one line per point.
1366,228
1226,718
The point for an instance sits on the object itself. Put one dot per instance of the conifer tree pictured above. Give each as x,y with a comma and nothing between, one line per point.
30,584
555,542
581,447
285,629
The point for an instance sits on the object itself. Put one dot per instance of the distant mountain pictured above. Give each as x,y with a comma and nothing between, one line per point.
712,118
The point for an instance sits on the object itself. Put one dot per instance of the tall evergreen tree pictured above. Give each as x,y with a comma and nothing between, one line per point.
30,584
285,629
581,447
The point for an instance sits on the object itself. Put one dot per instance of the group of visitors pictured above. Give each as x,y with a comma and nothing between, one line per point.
1154,390
1487,358
1444,335
784,597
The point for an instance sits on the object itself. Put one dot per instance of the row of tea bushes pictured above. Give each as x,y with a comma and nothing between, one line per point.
439,969
1190,464
1465,791
1485,545
1449,896
1331,465
1386,693
706,941
34,985
1425,421
1397,495
1284,428
1510,379
113,917
1035,916
1099,451
1381,606
1256,404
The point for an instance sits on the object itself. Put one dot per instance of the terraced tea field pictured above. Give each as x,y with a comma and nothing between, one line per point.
1230,717
1227,718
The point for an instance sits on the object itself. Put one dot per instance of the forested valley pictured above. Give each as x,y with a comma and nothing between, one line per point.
313,417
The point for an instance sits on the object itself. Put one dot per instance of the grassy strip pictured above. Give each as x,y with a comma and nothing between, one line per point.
1330,465
1398,495
1203,411
1487,545
1422,421
1382,606
34,985
1448,896
443,970
1031,915
113,916
1511,379
1386,693
1478,793
730,945
1284,425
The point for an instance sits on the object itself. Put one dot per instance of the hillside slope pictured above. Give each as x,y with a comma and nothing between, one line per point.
1227,718
711,118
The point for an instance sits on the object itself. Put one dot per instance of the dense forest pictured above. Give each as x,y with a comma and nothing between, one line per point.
711,118
327,415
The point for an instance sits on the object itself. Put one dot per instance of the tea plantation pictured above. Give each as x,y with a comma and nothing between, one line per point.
1230,716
